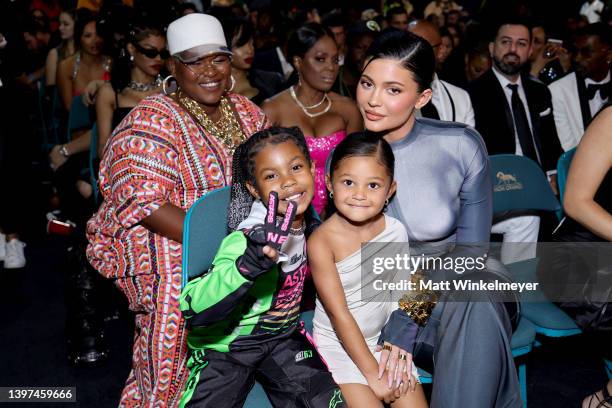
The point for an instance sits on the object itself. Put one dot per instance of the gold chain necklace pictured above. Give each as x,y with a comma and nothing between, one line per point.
227,130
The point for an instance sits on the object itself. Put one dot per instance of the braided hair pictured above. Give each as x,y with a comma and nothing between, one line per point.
243,172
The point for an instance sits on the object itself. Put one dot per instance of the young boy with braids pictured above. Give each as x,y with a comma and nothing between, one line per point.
243,313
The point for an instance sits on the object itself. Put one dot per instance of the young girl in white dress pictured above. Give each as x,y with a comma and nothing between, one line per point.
347,326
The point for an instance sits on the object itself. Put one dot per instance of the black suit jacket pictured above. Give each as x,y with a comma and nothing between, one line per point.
267,60
495,123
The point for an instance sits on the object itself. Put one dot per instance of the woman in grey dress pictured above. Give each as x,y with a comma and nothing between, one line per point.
444,198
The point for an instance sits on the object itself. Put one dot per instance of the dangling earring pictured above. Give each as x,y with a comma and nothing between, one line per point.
386,205
331,194
233,81
131,58
165,84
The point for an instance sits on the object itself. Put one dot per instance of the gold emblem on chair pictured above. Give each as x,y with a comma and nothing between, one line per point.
506,182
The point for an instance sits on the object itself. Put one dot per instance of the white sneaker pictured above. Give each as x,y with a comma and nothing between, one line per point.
15,257
2,246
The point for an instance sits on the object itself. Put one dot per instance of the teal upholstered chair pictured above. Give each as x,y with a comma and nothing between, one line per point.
78,117
563,166
522,343
520,185
204,228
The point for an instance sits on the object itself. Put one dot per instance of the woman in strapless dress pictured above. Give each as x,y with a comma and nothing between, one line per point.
324,117
320,147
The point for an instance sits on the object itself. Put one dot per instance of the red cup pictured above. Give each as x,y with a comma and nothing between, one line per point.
58,227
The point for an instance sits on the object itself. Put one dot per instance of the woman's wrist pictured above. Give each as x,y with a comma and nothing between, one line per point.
371,377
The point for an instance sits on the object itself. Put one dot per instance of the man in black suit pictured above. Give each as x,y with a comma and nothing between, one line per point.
531,130
514,115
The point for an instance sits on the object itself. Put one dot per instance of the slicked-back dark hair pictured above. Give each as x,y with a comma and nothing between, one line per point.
411,51
364,143
304,38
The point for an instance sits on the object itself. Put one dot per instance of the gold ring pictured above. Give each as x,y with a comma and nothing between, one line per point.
402,357
387,347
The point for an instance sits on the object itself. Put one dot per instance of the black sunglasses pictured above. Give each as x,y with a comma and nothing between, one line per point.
152,52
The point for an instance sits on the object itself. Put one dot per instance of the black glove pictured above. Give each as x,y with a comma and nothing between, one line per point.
400,330
254,262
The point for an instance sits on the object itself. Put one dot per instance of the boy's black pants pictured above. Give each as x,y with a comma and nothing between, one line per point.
290,370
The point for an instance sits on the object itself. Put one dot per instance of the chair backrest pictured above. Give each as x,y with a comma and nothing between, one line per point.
204,228
78,117
520,184
563,166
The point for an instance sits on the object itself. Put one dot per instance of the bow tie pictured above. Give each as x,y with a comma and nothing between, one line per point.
604,90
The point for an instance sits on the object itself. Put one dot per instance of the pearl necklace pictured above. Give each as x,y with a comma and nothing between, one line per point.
316,105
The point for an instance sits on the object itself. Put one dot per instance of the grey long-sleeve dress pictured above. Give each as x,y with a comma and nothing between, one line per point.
444,196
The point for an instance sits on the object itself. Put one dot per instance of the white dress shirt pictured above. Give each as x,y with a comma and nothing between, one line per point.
445,96
567,111
287,67
504,82
597,102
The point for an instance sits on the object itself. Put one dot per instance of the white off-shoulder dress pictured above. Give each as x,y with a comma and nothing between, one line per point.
370,313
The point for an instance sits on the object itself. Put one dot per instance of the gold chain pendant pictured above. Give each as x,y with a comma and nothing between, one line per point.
227,130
